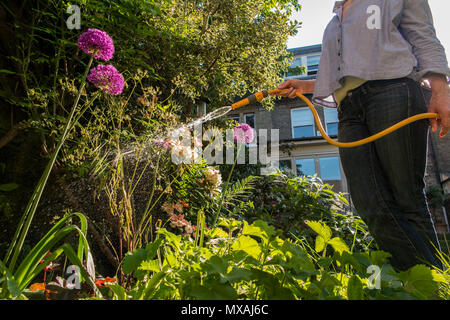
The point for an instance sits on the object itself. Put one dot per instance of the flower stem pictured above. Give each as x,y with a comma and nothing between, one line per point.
25,222
226,185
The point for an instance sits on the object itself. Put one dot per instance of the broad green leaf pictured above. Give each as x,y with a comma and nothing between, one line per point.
239,274
218,233
152,248
347,258
320,243
150,265
215,264
355,289
419,281
153,283
172,239
321,229
270,287
379,258
170,260
133,259
338,245
119,292
297,258
259,229
248,245
213,291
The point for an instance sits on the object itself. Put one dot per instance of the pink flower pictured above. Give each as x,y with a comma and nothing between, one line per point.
107,78
243,133
177,221
162,144
96,43
167,208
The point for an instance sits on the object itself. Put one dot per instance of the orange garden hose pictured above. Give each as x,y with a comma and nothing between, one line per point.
263,94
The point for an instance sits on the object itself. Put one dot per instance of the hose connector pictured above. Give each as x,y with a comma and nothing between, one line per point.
256,97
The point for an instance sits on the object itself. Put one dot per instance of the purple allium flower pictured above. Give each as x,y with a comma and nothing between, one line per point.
96,43
162,144
243,133
106,78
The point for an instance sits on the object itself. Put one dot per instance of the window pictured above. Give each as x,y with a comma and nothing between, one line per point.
330,168
313,64
305,167
284,165
235,117
249,119
302,123
331,120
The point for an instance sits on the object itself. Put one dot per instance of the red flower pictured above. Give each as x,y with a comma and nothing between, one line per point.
100,283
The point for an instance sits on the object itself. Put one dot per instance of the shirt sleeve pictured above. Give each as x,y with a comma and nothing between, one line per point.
416,26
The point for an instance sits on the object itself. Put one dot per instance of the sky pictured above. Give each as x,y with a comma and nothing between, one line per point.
316,14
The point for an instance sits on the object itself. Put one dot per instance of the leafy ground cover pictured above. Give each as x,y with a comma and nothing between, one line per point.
92,129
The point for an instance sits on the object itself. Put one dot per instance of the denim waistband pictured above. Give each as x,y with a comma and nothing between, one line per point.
375,84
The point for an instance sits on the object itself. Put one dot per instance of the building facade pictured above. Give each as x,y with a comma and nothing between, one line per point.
303,151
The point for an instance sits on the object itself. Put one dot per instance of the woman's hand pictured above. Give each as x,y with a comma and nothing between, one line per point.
292,86
440,103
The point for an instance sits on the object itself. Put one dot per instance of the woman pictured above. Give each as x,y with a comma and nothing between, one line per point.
374,56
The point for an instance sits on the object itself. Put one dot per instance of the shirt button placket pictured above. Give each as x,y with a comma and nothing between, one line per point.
340,46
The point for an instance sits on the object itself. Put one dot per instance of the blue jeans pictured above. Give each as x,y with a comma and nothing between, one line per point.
386,177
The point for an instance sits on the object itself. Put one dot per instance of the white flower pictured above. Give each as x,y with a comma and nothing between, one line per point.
213,176
189,228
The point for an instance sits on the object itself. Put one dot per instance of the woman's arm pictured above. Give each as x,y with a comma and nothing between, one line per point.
294,86
440,102
417,28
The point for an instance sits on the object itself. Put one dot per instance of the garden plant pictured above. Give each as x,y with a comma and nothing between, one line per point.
89,180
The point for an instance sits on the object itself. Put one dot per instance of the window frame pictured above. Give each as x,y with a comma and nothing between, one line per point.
292,123
255,139
326,121
307,65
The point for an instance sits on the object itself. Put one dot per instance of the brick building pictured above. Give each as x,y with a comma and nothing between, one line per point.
304,151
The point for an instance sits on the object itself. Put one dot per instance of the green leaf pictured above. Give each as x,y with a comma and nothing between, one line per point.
11,283
8,187
239,274
320,244
152,248
321,229
379,258
338,245
355,289
259,229
419,281
248,245
133,260
270,287
215,264
151,265
171,238
213,291
118,291
297,259
217,233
